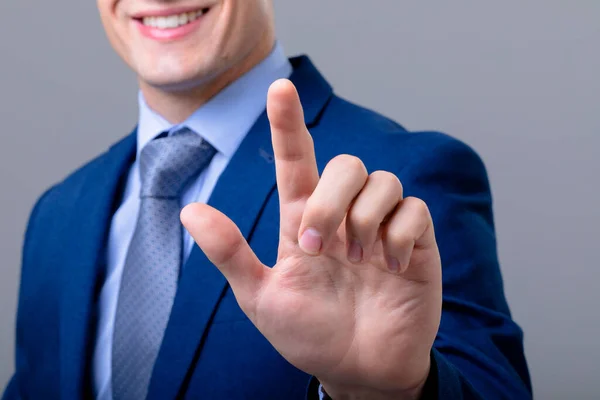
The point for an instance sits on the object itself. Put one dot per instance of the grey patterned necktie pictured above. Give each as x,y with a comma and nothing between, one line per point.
153,260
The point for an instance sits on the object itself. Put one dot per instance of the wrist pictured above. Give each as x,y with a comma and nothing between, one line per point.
337,391
359,393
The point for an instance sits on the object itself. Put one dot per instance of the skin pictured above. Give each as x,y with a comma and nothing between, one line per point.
355,296
177,77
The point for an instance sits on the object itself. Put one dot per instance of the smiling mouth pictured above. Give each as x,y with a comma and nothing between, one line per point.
172,21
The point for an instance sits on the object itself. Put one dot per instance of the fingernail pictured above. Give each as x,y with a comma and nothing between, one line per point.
393,264
311,241
355,251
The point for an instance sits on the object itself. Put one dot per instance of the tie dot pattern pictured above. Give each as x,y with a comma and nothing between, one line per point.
151,270
167,164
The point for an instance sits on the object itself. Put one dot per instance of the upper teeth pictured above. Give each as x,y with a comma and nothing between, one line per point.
171,21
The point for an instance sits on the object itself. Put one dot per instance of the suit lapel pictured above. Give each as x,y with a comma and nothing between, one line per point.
240,193
91,213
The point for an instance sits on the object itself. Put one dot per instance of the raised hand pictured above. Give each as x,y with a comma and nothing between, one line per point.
355,296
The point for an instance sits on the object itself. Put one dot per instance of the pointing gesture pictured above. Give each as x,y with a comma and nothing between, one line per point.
355,296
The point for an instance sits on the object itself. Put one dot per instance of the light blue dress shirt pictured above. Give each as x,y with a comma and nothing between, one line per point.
224,121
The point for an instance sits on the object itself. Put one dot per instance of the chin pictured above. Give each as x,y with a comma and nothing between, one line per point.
174,83
171,75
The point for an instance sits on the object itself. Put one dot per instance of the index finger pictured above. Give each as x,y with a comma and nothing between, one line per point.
295,163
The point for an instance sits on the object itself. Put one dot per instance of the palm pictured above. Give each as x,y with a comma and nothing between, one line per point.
349,323
346,306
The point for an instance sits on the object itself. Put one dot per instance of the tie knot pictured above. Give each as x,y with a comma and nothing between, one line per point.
168,163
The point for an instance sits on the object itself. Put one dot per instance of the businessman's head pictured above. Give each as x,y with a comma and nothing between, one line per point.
180,44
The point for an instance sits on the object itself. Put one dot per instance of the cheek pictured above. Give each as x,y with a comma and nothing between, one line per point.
240,31
108,13
111,22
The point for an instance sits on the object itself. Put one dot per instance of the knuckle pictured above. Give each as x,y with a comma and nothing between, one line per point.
229,246
385,176
419,207
347,162
399,239
319,209
387,179
362,221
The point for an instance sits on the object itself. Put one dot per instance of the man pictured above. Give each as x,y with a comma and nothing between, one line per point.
317,270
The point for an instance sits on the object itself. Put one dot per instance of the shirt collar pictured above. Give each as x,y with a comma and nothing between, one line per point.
225,119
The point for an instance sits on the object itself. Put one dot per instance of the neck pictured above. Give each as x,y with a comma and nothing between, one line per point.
177,105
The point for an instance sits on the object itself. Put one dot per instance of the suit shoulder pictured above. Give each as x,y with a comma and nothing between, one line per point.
68,186
364,128
66,190
347,114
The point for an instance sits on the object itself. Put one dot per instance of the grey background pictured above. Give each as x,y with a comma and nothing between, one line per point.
516,80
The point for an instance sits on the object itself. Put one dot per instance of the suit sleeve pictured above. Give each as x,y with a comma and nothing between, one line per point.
478,351
13,390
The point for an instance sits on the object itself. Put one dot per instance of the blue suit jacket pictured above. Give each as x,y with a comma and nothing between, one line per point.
211,350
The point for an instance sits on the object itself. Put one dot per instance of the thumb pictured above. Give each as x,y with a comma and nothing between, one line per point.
223,243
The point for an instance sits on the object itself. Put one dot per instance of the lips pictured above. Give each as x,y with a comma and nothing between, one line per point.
173,20
168,25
